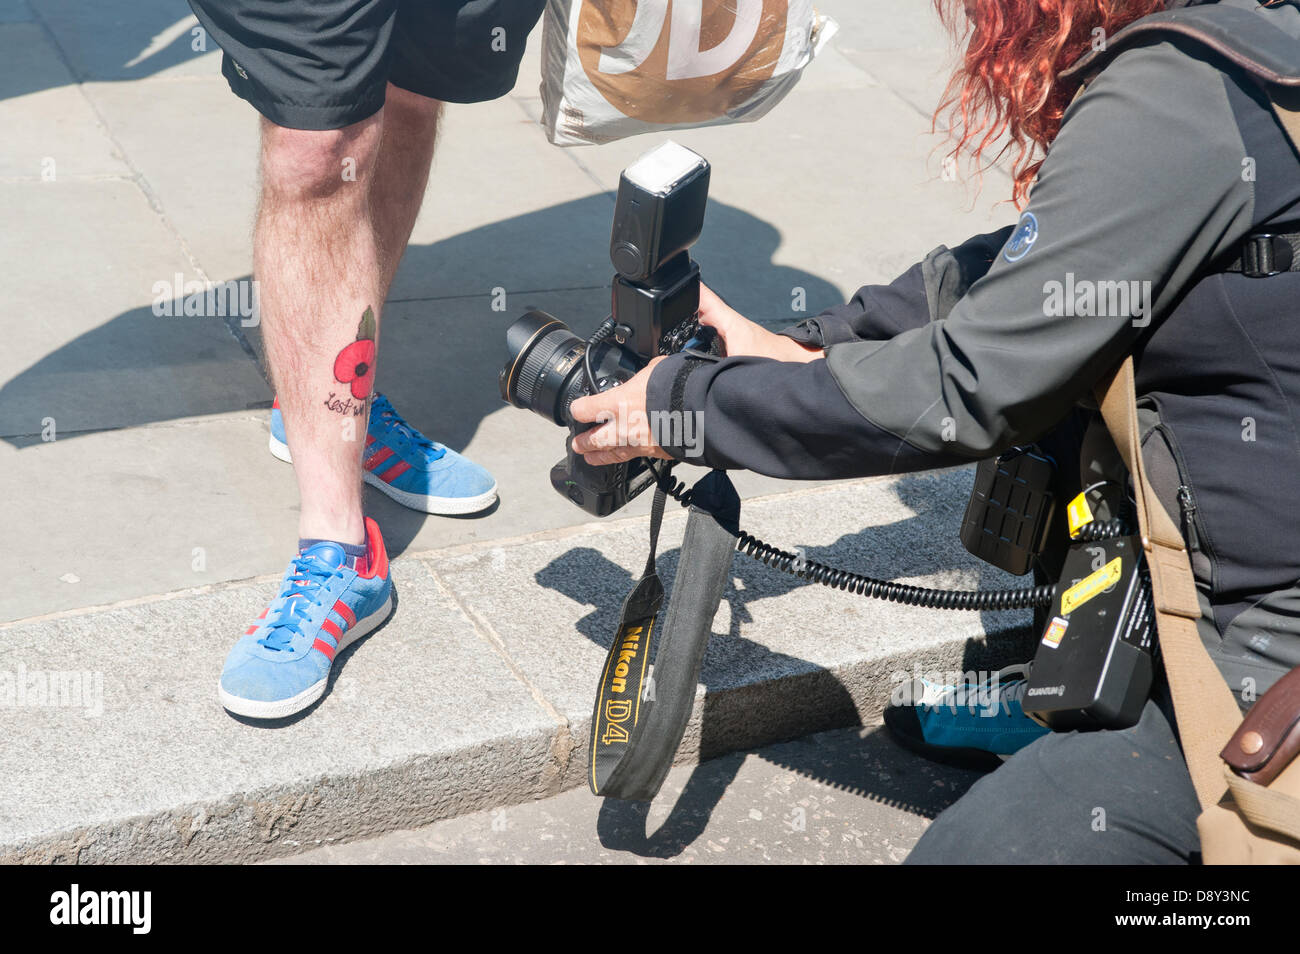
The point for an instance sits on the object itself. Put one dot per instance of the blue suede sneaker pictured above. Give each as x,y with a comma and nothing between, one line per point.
415,471
972,725
282,664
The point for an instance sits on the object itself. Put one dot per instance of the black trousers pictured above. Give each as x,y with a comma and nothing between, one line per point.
1104,797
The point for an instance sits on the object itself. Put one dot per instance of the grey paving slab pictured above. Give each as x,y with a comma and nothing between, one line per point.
918,80
424,720
833,70
195,144
15,11
91,352
504,208
149,510
905,48
51,132
822,657
885,25
497,196
901,45
848,796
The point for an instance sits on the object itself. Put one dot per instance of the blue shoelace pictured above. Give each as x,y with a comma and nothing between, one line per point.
308,580
390,422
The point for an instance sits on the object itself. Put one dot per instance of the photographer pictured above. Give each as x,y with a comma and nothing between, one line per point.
1139,239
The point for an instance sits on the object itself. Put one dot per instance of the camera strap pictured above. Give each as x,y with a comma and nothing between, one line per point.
639,719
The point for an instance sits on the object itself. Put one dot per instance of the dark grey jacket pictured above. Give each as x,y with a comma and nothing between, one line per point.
1169,158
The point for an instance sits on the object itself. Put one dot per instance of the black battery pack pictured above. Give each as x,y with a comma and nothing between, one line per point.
1097,655
1010,509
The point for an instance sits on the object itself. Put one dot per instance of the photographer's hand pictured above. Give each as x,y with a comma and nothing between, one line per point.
743,337
624,432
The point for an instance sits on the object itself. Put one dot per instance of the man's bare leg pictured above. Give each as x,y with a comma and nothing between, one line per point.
337,208
405,155
318,264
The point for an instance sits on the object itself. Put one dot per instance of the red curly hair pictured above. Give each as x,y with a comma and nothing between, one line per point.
1008,80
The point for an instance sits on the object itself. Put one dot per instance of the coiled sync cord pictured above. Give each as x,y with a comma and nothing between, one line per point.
867,586
873,588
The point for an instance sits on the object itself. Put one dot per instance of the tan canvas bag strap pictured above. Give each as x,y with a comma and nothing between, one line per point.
1269,808
1204,707
1286,104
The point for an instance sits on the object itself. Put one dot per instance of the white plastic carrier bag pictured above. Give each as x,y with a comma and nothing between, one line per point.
617,68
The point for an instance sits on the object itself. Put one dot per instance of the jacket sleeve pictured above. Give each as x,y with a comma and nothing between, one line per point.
1142,186
925,292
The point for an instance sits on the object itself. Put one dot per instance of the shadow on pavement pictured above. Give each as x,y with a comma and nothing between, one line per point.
441,348
886,551
869,765
106,42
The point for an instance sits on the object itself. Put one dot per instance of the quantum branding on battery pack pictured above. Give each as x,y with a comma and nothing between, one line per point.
1097,654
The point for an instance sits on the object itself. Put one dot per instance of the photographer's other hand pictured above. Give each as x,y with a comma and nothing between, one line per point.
743,337
624,430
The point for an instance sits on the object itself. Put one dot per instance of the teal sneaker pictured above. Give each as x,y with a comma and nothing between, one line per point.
415,471
327,601
974,725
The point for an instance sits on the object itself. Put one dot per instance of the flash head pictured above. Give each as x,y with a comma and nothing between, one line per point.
659,210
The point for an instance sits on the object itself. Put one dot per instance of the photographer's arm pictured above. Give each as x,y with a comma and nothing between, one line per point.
1122,203
824,444
925,292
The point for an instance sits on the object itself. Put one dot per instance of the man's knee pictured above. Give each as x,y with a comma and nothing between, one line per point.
309,163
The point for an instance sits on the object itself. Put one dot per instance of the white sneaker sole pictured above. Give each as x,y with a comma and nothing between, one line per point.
279,708
444,506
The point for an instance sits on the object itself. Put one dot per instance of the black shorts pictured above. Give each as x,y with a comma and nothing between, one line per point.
323,64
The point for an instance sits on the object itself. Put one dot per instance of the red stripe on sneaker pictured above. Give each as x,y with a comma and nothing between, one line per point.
378,457
370,439
324,647
264,612
397,470
330,627
348,616
251,630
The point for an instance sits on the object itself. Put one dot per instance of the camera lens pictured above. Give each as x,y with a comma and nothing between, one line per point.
542,355
544,366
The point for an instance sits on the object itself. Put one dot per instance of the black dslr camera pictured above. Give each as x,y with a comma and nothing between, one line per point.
655,298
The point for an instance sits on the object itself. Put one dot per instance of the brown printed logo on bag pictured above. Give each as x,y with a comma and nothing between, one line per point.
684,61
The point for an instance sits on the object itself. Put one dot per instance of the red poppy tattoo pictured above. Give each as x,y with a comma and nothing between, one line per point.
355,364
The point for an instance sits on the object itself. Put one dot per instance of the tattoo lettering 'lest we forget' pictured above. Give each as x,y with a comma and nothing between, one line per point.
355,367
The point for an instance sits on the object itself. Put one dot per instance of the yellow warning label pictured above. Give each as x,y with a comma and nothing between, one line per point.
1092,584
1078,513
